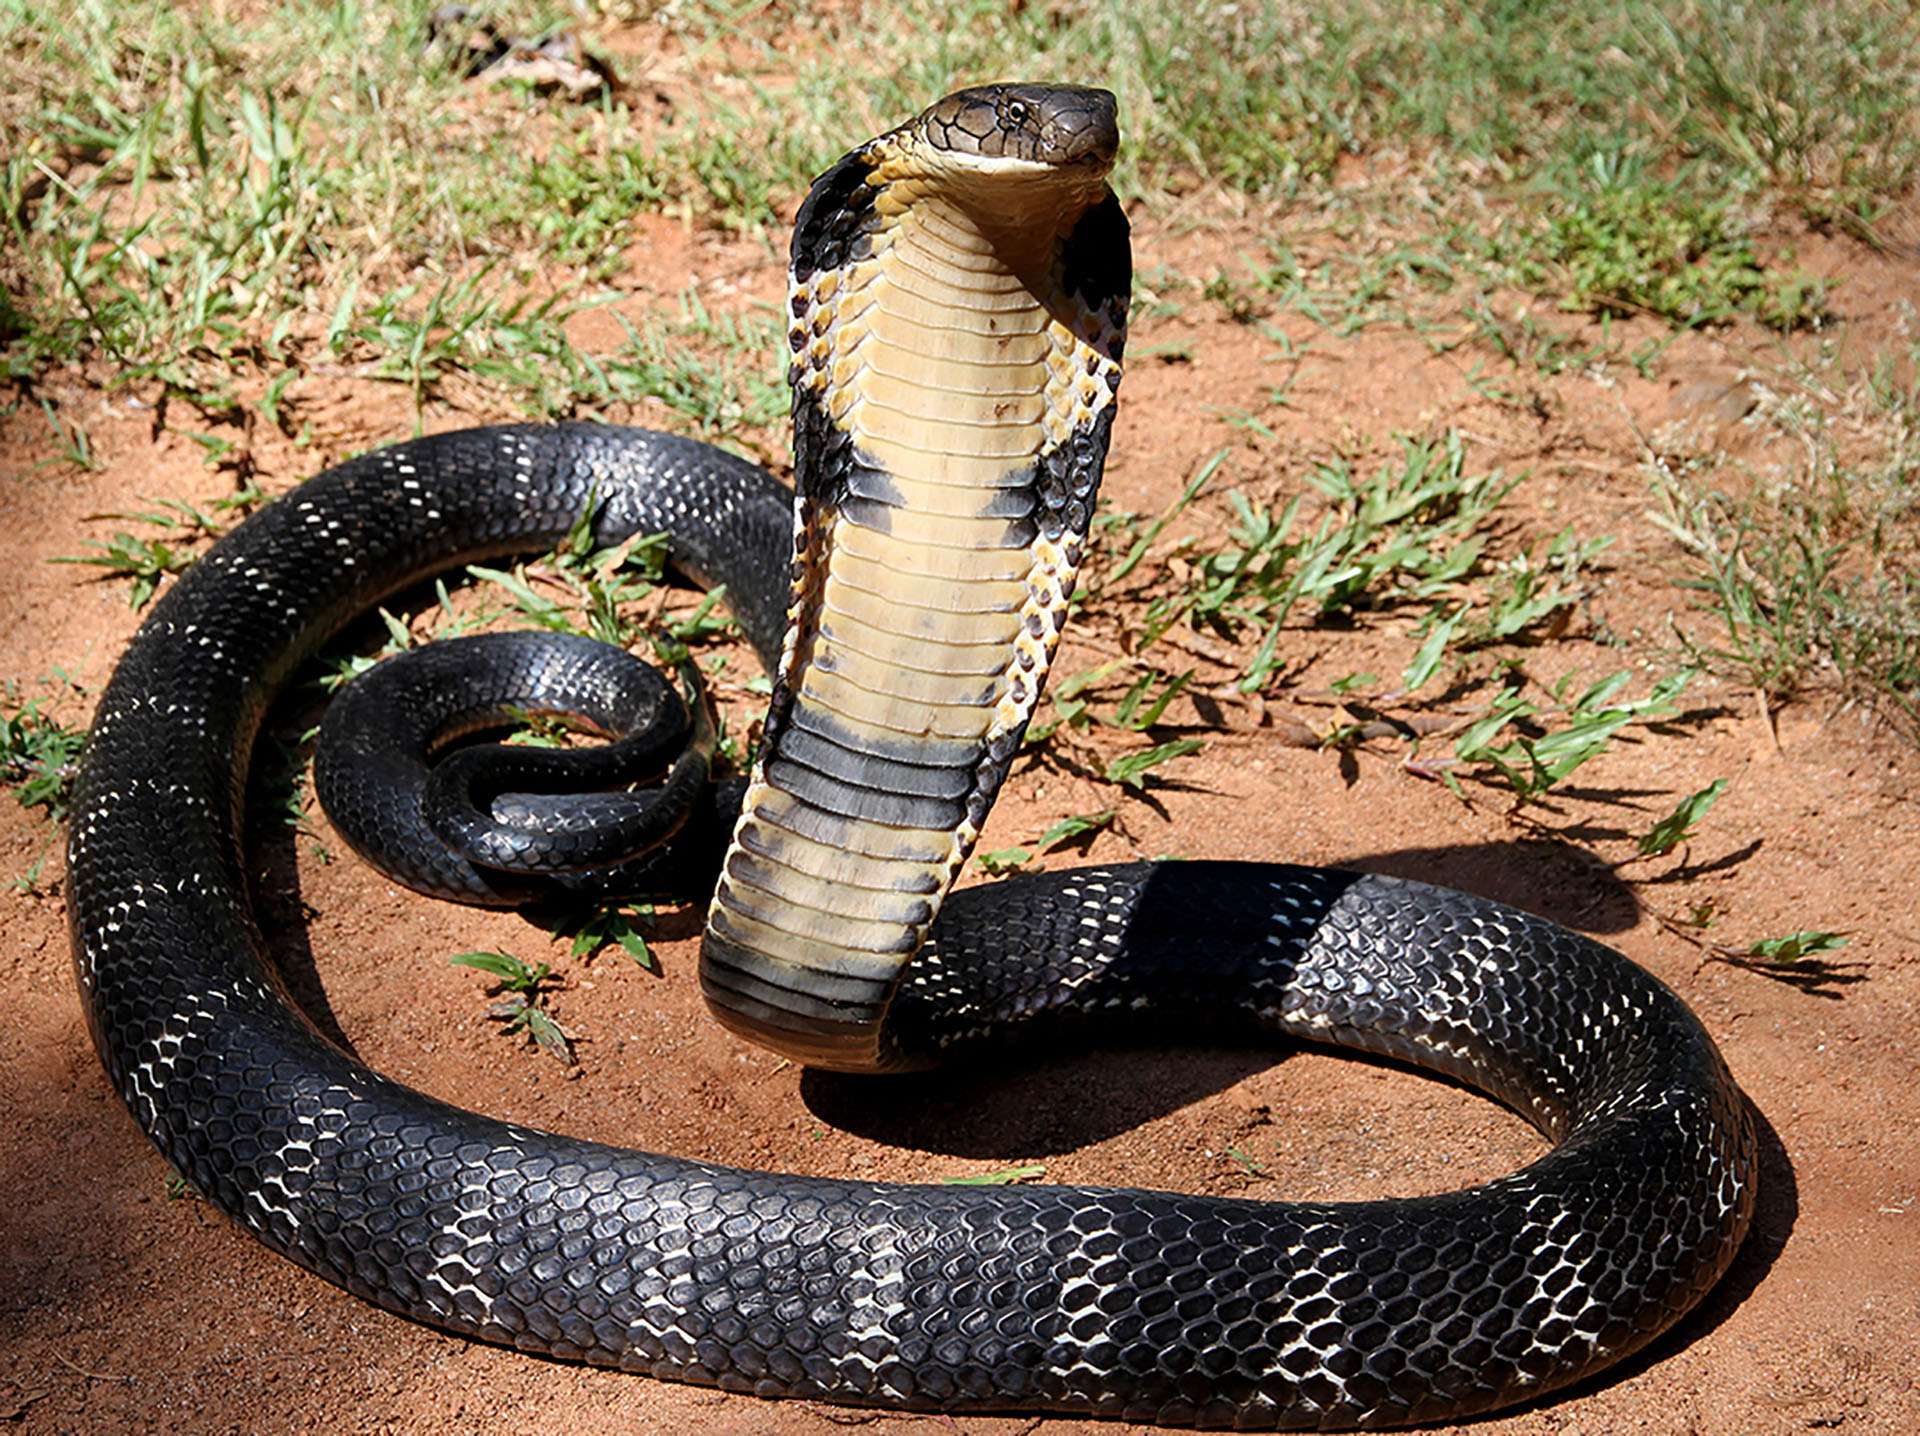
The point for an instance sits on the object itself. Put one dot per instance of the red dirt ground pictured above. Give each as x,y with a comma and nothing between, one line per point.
125,1309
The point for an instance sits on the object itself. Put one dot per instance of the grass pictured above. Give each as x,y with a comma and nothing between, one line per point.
73,447
1531,745
596,592
618,925
39,754
1413,531
1621,241
1419,540
39,760
1678,827
1794,597
1078,829
1807,579
1005,1176
190,194
522,990
182,530
143,562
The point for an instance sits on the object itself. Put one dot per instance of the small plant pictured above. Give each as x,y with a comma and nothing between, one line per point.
1112,525
1618,241
705,623
1004,860
1799,959
1134,712
1140,708
75,447
1796,947
1527,341
1520,594
144,561
279,791
1515,740
523,1007
1817,100
1246,1162
1081,825
1441,627
1804,589
448,623
39,758
1070,708
1136,709
1130,770
1006,1176
1410,531
190,521
1240,305
1678,826
612,925
1527,591
599,589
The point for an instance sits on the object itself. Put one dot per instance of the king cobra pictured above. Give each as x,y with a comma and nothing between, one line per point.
958,297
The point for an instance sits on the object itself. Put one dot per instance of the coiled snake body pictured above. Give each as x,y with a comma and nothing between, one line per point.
959,292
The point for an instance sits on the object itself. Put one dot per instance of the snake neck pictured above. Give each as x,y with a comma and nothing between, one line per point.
956,353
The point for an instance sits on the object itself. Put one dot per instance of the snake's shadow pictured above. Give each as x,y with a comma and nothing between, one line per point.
1018,1103
1556,880
271,843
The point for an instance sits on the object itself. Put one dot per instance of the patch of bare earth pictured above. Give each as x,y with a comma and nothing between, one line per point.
123,1308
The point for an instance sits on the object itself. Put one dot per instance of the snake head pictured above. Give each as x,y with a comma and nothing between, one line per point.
1012,127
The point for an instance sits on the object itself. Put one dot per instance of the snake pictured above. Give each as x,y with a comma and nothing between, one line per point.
957,307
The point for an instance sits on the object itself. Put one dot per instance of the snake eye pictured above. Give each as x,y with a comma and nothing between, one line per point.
1016,112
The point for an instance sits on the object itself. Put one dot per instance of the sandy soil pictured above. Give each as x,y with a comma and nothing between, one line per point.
126,1308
